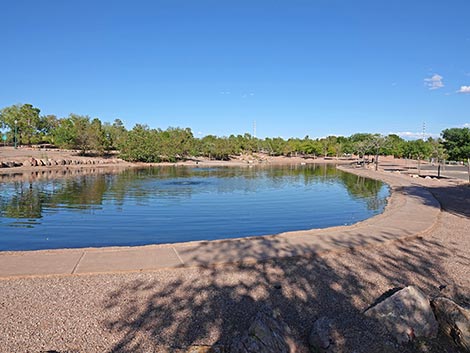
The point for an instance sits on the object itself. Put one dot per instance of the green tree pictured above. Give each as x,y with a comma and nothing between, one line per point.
395,146
140,145
77,131
438,151
115,135
457,143
63,135
24,117
47,125
417,149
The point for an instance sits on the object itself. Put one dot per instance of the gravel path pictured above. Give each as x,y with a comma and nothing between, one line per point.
165,311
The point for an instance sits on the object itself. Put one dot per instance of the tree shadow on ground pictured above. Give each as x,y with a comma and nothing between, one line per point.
455,199
210,305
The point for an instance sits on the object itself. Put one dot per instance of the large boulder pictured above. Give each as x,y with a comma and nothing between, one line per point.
454,321
268,333
407,315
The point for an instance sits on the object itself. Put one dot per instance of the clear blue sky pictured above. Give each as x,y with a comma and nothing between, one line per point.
296,67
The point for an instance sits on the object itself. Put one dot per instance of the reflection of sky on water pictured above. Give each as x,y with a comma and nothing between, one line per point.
158,205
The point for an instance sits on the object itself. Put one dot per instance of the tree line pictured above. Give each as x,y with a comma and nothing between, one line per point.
24,123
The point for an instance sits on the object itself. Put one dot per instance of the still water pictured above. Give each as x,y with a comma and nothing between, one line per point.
177,204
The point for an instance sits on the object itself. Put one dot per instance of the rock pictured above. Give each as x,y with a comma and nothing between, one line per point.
321,335
268,333
454,321
427,177
406,314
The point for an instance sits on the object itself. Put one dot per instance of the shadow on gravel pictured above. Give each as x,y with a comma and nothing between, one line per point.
455,199
211,305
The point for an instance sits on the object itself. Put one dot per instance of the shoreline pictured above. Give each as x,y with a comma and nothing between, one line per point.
369,232
72,160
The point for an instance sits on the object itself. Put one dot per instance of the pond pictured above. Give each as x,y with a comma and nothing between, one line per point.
178,204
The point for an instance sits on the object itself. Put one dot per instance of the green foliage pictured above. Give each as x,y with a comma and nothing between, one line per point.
79,132
395,146
24,117
115,135
457,143
154,145
140,145
417,149
46,127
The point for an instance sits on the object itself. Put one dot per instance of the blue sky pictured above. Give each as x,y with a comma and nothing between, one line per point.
297,68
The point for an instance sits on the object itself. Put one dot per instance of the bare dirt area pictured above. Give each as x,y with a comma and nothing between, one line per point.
172,310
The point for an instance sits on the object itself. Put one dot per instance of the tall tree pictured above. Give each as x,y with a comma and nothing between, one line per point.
457,143
77,131
116,134
22,117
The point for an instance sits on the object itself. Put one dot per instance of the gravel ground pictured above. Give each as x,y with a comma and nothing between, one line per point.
168,310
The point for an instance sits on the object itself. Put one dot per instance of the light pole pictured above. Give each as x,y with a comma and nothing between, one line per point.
16,131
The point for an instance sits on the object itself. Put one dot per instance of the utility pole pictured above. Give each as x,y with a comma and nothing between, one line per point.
254,128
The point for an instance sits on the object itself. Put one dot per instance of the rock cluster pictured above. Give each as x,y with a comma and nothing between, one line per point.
10,164
34,162
407,314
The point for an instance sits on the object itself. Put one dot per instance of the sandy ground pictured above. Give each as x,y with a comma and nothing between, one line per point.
169,310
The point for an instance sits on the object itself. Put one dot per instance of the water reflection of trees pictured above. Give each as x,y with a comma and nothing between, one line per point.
28,199
23,200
